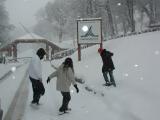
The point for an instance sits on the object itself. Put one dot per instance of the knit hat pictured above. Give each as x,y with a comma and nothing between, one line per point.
41,51
100,50
68,61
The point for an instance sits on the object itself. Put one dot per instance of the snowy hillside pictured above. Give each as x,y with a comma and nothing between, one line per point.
136,96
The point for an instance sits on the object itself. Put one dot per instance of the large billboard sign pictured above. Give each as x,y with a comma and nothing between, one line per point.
89,31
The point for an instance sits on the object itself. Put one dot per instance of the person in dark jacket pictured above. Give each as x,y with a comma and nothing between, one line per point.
107,67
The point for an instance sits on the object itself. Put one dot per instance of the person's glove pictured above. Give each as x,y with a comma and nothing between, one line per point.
77,90
48,80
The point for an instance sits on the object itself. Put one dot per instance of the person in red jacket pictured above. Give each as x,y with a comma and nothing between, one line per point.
107,67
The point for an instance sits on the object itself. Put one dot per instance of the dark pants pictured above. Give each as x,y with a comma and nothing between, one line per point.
65,101
105,75
38,90
1,114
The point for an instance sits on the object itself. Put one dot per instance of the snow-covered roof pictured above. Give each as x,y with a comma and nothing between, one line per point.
65,44
30,36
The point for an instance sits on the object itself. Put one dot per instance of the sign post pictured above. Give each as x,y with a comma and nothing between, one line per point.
89,31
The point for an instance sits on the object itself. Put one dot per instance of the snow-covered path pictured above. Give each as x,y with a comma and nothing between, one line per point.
9,88
136,96
82,104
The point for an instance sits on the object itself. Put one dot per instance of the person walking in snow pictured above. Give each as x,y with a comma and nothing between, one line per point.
65,77
107,67
35,75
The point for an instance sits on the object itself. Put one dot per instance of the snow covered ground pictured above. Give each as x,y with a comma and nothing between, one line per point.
136,96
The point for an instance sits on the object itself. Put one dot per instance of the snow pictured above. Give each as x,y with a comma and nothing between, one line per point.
68,44
9,86
30,36
136,96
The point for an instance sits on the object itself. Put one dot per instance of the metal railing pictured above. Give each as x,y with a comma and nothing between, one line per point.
68,52
65,53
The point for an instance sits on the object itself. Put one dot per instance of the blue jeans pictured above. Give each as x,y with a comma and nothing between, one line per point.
105,75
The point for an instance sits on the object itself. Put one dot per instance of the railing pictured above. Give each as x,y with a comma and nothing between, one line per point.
20,59
68,52
65,53
151,29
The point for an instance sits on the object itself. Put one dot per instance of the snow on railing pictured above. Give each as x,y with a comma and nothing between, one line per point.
69,52
65,53
151,29
19,59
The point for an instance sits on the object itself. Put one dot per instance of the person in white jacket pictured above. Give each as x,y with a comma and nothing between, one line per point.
35,75
65,77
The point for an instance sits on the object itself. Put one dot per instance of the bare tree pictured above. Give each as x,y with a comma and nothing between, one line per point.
110,19
5,27
150,8
130,7
62,14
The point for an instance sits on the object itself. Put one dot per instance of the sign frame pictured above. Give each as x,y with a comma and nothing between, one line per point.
89,31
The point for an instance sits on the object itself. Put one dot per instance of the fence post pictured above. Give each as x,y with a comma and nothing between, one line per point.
79,52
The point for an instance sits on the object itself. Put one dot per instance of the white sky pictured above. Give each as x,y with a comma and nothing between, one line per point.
136,96
24,11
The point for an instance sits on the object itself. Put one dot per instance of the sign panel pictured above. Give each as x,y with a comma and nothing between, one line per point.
89,31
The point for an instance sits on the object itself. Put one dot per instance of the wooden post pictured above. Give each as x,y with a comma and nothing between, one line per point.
101,44
79,46
15,51
79,52
47,51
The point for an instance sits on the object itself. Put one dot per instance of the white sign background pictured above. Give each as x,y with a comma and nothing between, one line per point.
94,35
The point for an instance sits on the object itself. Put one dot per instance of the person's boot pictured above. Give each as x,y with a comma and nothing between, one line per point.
61,109
113,83
33,101
37,103
68,109
108,84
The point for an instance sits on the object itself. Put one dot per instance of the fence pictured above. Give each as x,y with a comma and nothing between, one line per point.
151,29
68,52
65,53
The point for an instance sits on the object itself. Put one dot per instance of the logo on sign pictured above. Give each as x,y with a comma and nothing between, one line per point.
89,33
